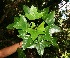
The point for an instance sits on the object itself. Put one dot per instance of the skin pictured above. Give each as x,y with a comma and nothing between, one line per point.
9,50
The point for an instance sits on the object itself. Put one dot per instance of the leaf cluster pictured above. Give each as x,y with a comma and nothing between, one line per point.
36,36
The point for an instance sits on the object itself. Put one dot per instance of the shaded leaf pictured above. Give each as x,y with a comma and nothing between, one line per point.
45,14
21,53
26,9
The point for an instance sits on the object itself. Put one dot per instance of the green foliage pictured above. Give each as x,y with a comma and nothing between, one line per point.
36,36
48,17
21,54
31,13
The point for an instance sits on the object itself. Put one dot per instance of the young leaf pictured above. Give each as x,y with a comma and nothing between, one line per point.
34,33
33,14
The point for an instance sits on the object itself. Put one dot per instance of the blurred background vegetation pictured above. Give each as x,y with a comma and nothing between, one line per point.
11,8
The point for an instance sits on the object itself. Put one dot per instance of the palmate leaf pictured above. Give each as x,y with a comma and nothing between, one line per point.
48,33
21,24
34,33
48,17
41,45
32,13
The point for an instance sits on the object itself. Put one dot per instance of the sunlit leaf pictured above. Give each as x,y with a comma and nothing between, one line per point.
41,27
33,33
33,14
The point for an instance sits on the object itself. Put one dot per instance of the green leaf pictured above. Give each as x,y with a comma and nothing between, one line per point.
40,38
54,41
47,34
26,9
33,14
10,26
41,27
22,34
27,42
21,53
40,47
33,33
16,19
50,18
45,14
21,24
